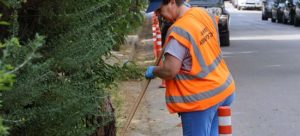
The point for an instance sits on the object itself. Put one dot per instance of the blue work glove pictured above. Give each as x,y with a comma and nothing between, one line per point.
149,73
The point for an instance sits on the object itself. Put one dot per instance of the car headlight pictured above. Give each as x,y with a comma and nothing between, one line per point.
215,11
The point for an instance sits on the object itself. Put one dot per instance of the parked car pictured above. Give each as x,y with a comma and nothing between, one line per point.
267,9
216,7
249,4
277,10
289,12
297,14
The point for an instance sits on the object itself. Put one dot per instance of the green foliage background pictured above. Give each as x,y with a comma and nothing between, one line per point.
7,71
62,91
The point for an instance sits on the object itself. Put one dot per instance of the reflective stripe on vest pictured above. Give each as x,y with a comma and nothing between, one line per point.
200,96
202,74
188,37
205,69
214,20
216,26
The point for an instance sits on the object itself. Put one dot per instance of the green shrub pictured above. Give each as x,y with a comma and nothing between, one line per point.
6,78
131,71
62,91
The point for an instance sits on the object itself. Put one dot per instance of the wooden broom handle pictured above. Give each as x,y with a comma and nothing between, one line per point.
140,97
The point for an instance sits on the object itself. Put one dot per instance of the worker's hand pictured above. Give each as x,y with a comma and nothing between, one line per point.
149,73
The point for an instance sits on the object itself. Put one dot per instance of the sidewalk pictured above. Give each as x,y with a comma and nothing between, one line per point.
152,117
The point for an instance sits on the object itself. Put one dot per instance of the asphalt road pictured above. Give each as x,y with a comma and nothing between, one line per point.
264,58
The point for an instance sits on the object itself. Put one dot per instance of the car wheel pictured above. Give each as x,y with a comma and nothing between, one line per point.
279,19
284,20
291,19
239,8
273,20
263,17
296,21
224,40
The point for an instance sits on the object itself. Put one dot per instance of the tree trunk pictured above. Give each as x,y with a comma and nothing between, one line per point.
109,129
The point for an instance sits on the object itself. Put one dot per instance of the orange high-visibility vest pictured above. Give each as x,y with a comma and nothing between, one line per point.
209,81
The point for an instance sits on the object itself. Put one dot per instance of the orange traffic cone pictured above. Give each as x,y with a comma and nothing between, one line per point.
157,43
224,116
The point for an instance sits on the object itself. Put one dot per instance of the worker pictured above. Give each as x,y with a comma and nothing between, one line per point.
198,80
